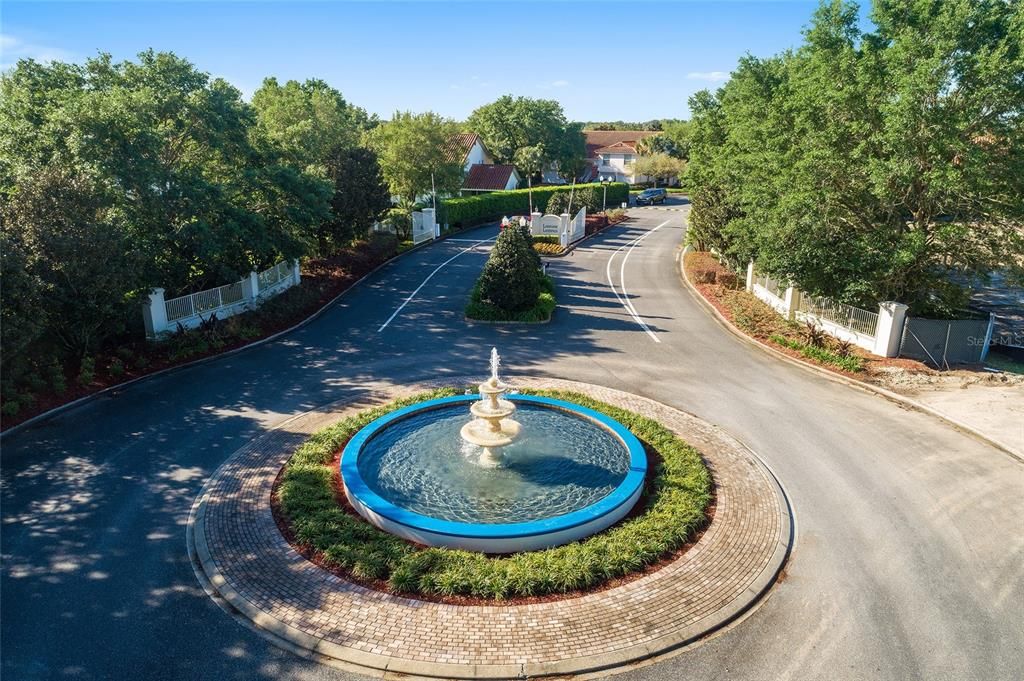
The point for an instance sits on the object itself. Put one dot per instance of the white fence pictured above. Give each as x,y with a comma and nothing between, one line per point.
879,332
424,226
163,316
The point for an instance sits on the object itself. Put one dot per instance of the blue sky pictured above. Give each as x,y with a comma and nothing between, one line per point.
601,60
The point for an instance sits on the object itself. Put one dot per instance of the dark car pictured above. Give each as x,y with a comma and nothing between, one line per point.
651,196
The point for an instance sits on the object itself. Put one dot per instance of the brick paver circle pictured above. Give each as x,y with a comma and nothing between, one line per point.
242,560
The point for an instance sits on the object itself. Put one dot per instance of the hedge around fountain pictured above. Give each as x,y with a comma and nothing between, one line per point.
676,499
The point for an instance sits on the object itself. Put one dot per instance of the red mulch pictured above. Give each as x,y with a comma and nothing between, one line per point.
318,559
871,363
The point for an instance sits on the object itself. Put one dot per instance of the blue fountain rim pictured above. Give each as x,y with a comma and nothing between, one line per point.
358,488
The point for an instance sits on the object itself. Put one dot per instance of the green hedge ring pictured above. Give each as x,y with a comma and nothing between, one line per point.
672,511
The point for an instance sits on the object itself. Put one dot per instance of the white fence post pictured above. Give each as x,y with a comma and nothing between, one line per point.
889,330
251,287
535,226
750,276
154,314
563,229
296,273
792,301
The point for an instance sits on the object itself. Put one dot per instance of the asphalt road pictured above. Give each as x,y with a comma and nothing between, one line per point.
909,557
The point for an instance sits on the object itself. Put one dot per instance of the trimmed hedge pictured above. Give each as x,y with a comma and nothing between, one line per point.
540,311
467,210
675,508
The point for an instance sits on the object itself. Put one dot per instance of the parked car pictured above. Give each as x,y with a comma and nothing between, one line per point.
651,196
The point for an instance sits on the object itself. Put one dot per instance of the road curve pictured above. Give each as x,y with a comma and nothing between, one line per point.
909,558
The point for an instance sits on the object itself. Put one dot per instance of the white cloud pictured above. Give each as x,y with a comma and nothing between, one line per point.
13,48
560,83
712,76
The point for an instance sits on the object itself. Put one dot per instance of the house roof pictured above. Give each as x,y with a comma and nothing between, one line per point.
487,177
601,139
456,149
618,148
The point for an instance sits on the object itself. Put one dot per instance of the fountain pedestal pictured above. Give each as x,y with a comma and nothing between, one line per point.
492,428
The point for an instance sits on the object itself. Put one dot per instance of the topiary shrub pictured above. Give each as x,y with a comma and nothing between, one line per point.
511,278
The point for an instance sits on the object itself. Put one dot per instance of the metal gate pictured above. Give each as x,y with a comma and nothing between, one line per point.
941,342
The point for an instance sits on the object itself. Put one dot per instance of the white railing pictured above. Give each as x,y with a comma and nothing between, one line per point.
847,316
272,277
772,286
189,311
424,226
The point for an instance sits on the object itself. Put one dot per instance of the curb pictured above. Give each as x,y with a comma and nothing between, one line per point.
837,378
46,415
310,647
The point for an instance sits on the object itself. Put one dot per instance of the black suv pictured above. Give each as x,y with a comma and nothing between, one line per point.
651,196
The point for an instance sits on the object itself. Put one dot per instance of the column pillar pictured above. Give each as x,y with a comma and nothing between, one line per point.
750,275
889,330
154,314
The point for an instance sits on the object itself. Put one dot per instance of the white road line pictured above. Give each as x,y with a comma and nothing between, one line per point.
624,298
429,277
466,240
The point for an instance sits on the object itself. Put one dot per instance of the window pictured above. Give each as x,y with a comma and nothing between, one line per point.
607,159
628,159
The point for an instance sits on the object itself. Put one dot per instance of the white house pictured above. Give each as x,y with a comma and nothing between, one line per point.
612,153
480,174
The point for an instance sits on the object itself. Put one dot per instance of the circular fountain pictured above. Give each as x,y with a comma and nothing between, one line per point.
555,473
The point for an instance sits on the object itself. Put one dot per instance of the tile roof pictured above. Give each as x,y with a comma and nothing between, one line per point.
458,146
484,176
618,148
600,139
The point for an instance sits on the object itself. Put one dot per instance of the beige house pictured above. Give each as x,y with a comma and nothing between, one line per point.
612,153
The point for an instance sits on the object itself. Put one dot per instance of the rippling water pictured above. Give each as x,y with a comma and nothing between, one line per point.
560,464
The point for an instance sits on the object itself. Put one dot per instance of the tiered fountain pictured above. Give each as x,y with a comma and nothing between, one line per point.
426,474
493,427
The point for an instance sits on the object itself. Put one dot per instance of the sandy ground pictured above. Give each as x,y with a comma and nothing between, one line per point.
990,402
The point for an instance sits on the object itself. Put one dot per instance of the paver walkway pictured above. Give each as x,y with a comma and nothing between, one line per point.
242,556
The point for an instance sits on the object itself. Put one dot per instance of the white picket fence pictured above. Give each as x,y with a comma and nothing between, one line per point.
424,226
162,316
878,332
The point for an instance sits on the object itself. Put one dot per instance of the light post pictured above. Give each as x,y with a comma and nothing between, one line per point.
604,185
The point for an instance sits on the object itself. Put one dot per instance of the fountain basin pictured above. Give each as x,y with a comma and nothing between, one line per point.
574,472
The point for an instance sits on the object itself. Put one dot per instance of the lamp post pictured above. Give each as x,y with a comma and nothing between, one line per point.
604,185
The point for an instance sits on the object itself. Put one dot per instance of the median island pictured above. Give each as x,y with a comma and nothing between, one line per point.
512,286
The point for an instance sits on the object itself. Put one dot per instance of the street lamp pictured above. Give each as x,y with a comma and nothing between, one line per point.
604,184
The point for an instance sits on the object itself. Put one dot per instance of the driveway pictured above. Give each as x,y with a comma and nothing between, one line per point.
909,558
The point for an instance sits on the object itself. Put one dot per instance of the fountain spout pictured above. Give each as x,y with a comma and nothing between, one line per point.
493,427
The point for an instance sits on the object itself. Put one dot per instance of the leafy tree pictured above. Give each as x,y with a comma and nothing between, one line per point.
77,254
872,166
361,197
511,278
410,148
657,144
676,138
511,124
660,166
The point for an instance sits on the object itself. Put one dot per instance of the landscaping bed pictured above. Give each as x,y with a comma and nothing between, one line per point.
310,507
322,280
480,310
723,289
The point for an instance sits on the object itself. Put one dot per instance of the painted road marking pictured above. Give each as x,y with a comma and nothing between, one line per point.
624,298
429,277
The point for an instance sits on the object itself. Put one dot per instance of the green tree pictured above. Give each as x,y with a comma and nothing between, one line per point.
511,124
511,278
659,166
410,149
872,166
361,197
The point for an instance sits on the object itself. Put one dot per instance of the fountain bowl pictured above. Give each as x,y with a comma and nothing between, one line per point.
545,531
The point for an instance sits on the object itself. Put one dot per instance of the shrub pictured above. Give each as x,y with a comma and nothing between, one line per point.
615,214
727,279
843,348
511,278
814,335
850,363
704,275
116,367
86,371
540,312
548,248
